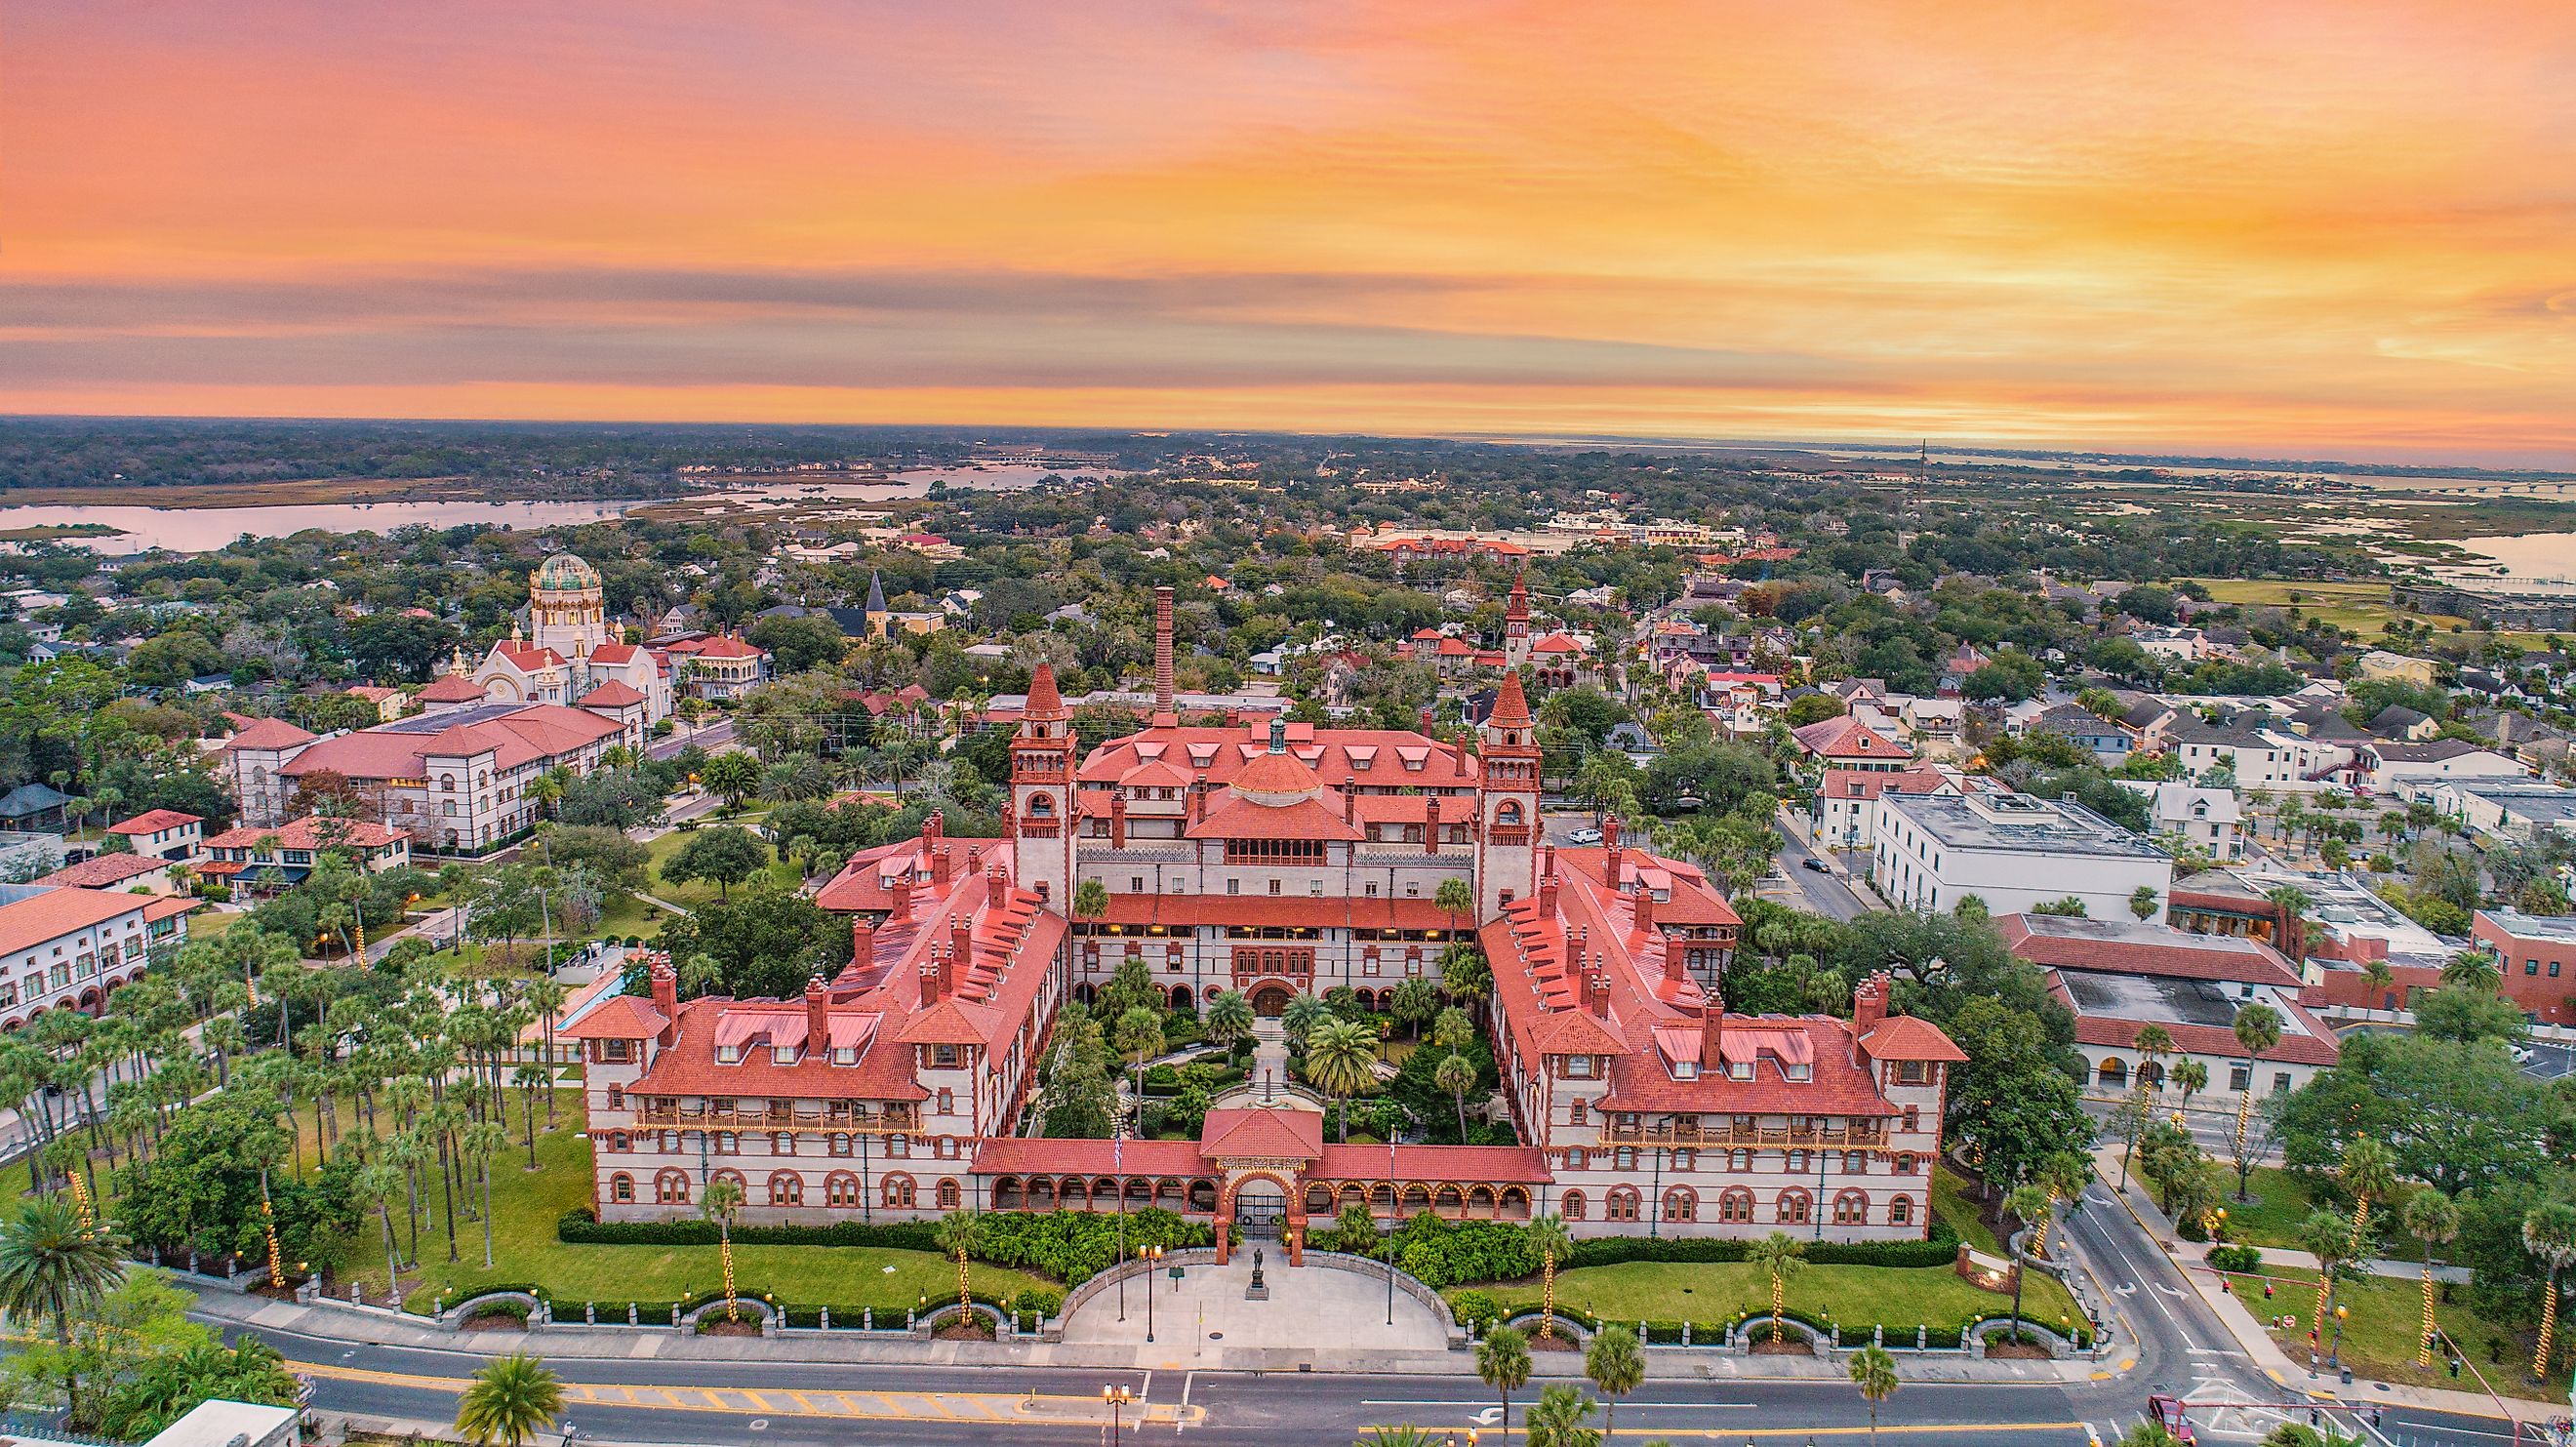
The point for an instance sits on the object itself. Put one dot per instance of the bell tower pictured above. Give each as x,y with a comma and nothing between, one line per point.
1516,624
1042,797
1507,803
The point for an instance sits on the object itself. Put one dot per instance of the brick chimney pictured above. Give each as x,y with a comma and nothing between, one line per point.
863,942
931,980
1645,907
818,1030
1547,895
935,827
1430,824
1198,797
1162,652
1712,1031
961,951
1117,821
666,999
1426,721
1674,968
1610,842
1597,987
1351,806
1869,1003
902,911
939,866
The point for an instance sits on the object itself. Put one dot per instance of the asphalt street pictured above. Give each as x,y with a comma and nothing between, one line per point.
2164,1339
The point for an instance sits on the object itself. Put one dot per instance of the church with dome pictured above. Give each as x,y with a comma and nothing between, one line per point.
561,650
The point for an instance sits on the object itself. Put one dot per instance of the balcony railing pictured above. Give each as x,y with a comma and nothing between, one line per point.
699,1117
1725,1136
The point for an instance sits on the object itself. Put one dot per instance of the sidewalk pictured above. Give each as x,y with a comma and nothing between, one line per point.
2266,1354
575,1342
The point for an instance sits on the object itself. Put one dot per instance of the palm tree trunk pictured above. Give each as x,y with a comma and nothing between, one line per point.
393,1255
487,1213
447,1198
532,1126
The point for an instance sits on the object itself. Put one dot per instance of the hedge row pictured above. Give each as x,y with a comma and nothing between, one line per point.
1034,1305
1474,1308
1940,1250
580,1227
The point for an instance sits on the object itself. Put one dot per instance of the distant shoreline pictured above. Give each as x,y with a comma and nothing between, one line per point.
52,532
307,492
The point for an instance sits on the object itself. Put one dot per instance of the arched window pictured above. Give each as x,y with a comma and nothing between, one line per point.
841,1189
1900,1212
1509,813
948,1195
1735,1206
1685,1159
1622,1204
1681,1203
1913,1118
1905,1165
1041,806
1740,1161
1570,1205
840,1145
897,1192
616,1097
1851,1208
947,1102
1794,1206
782,1143
671,1188
2114,1071
740,1185
787,1189
617,1141
621,1187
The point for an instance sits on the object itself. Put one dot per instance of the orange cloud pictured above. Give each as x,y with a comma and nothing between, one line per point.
2313,226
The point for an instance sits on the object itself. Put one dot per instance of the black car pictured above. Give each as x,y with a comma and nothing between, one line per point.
1818,865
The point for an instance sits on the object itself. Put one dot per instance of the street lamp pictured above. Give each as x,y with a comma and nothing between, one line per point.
1153,1256
1115,1396
2334,1356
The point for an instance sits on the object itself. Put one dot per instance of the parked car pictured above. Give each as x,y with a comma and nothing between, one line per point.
1585,835
1818,865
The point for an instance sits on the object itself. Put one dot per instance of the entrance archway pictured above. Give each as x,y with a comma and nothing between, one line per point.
1261,1208
1271,998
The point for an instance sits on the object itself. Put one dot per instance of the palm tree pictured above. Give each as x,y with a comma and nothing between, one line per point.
1616,1363
959,1233
1553,1243
2326,1235
2370,1174
1403,1434
1783,1256
1503,1363
509,1402
1340,1056
2548,1233
1557,1420
378,1183
2063,1176
2471,970
721,1202
1453,898
2191,1077
482,1141
2258,1028
2153,1044
54,1264
1456,1075
2378,977
1090,906
2030,1205
1229,1017
2434,1219
1300,1017
1874,1372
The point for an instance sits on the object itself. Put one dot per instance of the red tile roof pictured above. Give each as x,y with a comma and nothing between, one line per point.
1511,706
451,688
614,653
309,833
1848,738
1266,1133
1042,1156
526,734
688,1066
1904,1037
1330,912
1523,1165
27,923
153,821
1368,759
2120,947
611,694
624,1017
105,871
1236,817
267,733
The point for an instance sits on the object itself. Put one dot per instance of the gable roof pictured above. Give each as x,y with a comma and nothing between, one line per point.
153,821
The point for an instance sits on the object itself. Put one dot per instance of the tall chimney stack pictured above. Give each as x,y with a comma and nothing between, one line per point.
1163,654
818,1029
666,999
863,943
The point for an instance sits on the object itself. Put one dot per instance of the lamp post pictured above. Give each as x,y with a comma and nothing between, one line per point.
2334,1354
1152,1256
1115,1396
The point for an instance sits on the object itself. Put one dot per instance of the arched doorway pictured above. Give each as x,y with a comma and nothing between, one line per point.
1260,1207
1270,998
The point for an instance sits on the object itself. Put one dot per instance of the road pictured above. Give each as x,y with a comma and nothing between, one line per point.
712,738
2164,1339
1816,891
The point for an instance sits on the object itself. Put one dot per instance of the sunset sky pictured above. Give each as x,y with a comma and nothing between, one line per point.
2289,227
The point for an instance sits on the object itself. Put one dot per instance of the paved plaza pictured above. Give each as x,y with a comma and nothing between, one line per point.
1204,1314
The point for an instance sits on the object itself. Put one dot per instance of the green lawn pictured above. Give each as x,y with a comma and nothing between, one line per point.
2379,1334
2362,607
1895,1297
626,915
1953,1202
2281,1203
526,1205
697,892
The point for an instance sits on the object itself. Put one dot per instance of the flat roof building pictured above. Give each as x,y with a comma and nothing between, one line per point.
2012,851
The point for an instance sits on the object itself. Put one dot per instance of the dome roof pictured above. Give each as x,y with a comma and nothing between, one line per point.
565,573
1277,779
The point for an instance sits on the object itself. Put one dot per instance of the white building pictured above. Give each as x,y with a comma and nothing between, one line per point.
2209,820
66,949
2518,809
2012,851
2408,770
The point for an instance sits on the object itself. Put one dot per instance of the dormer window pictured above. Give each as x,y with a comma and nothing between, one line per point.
728,1055
1739,1070
945,1055
1798,1071
783,1054
846,1055
1578,1066
1685,1070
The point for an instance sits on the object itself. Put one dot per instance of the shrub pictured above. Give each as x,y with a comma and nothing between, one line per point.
580,1227
1473,1307
1074,1246
1940,1250
514,1310
1444,1253
2235,1258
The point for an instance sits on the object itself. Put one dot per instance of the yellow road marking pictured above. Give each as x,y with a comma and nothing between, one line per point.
802,1405
741,1401
757,1400
1729,1433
